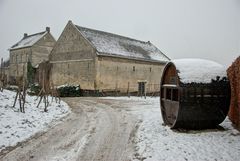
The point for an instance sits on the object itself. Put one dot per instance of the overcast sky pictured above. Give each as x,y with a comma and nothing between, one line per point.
207,29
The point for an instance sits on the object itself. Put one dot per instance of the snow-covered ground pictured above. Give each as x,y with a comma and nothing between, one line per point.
107,129
157,142
16,126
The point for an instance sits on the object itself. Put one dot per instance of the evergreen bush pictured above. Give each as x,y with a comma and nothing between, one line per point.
70,91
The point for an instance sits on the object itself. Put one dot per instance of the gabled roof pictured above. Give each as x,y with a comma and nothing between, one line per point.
109,44
29,40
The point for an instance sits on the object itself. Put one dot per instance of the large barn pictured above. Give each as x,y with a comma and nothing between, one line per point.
103,61
33,48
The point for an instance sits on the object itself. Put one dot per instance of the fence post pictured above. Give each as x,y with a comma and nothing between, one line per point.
1,66
145,90
128,90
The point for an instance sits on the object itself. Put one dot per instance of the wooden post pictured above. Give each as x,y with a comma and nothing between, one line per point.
45,103
23,90
1,66
145,90
1,76
39,102
128,90
15,100
116,89
153,90
20,102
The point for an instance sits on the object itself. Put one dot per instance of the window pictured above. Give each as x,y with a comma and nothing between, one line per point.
133,68
150,69
174,95
168,93
171,94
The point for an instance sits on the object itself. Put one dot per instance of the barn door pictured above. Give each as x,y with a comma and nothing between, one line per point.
141,88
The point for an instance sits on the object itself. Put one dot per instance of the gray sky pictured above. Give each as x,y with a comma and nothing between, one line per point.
207,29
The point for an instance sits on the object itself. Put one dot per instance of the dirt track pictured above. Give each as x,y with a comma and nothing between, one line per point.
97,129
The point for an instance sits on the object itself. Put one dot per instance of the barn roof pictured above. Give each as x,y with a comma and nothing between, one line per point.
28,40
198,70
109,44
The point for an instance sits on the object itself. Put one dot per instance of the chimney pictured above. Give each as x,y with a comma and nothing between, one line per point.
25,35
48,29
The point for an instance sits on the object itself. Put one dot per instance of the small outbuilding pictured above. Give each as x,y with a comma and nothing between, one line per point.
32,49
195,94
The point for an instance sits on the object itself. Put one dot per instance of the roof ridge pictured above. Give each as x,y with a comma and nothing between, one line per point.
41,34
109,33
38,33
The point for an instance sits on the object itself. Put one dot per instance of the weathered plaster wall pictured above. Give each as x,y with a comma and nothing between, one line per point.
18,59
35,54
73,59
117,73
42,49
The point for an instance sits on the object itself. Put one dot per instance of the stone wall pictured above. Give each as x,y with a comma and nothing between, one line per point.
79,72
124,74
71,45
234,77
18,59
42,49
73,60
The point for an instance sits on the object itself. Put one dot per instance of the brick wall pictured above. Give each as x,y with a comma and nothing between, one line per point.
234,77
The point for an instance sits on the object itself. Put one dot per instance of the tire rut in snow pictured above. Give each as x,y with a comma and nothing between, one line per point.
96,130
111,140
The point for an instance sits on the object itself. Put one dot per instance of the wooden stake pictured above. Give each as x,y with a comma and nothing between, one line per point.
39,101
15,100
128,89
145,90
1,76
20,102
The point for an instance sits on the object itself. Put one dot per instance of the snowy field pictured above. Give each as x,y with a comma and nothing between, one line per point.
16,126
157,142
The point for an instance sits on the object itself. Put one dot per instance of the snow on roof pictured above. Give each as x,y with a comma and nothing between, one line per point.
29,40
115,45
198,70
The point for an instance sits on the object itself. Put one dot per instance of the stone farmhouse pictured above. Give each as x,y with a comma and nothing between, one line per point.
33,48
103,61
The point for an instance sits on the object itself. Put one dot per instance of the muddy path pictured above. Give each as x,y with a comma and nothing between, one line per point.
97,129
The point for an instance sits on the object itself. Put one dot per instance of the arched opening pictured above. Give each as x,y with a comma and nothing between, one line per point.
169,95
